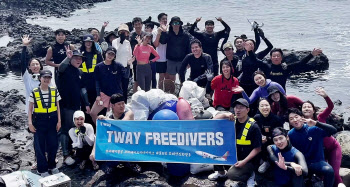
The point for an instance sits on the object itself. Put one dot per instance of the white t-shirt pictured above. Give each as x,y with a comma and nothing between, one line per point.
161,49
80,140
124,52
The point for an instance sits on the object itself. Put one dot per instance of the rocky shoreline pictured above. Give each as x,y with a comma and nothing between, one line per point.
16,150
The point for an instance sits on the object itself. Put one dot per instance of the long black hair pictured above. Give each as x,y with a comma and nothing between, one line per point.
93,48
227,63
30,61
314,116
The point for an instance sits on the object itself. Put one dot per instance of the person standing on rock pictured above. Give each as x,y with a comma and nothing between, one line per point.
332,148
57,53
137,32
279,72
124,54
248,145
307,136
210,39
44,120
178,46
83,138
72,90
91,58
30,69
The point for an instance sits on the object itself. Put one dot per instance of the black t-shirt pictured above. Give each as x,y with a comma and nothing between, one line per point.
267,124
69,86
254,135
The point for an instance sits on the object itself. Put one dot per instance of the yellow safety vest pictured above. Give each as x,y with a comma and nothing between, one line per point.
92,69
243,140
38,101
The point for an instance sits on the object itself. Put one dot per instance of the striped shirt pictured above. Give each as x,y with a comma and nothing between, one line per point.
45,96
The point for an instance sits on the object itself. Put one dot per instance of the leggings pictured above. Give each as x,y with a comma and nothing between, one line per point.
144,76
324,169
333,155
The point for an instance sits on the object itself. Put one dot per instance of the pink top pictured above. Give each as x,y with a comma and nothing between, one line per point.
142,53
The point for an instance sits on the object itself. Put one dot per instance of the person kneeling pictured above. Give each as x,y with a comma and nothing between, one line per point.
290,163
83,139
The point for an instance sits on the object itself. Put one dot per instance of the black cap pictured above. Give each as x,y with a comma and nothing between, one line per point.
209,22
272,89
175,19
65,32
242,102
110,34
111,49
45,73
77,53
88,38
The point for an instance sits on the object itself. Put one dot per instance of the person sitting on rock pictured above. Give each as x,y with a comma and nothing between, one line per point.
333,153
266,122
57,52
289,163
83,138
119,112
44,120
279,72
307,136
248,143
223,87
280,103
200,63
260,92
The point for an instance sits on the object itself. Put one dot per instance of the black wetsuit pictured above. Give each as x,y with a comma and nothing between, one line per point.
210,42
198,68
280,75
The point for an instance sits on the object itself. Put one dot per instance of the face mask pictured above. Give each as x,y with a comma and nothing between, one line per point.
122,38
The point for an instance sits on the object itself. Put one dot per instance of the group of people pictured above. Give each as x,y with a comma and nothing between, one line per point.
92,83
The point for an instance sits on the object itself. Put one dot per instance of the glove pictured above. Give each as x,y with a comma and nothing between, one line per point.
284,66
82,130
209,75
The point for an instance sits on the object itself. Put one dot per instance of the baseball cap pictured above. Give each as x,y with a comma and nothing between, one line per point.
241,101
228,45
45,73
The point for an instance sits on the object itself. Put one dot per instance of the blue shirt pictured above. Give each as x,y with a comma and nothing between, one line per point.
309,141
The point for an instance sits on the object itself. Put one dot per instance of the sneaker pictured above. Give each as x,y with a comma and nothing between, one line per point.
54,171
341,185
263,167
45,174
216,176
69,161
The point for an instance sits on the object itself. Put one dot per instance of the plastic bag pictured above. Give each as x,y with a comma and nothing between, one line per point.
190,90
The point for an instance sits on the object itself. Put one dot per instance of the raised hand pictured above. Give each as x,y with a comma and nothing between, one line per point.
138,39
261,33
281,162
105,24
209,75
320,91
316,51
310,122
237,89
198,19
69,52
219,19
163,28
26,40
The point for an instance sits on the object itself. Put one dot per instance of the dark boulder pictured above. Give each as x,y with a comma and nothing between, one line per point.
343,138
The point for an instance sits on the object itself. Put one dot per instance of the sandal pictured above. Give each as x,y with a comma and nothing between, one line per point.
82,165
95,166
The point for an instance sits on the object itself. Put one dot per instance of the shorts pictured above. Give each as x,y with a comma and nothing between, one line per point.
105,99
161,67
173,67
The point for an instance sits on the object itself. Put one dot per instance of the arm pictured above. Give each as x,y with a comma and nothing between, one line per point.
214,83
257,40
89,136
328,129
155,53
136,51
73,136
272,156
302,62
209,63
58,116
325,113
164,38
30,113
253,97
102,33
84,96
156,41
183,69
251,155
302,162
24,60
225,32
280,88
129,116
48,58
266,51
63,65
198,35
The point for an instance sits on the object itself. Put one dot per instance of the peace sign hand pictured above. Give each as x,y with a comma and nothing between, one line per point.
281,162
69,52
26,40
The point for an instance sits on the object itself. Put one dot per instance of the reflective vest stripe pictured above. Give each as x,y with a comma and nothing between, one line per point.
243,140
38,106
92,69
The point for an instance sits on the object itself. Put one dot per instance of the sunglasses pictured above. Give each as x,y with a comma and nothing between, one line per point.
176,23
